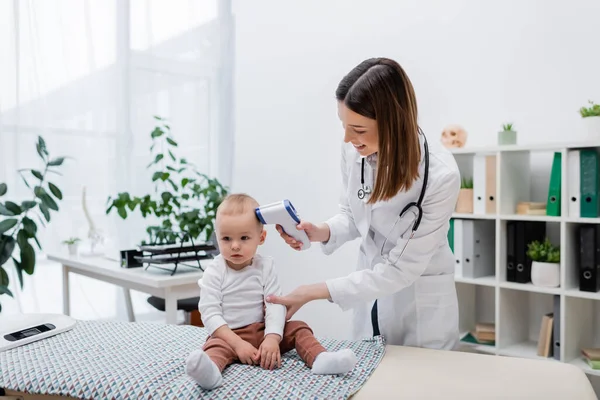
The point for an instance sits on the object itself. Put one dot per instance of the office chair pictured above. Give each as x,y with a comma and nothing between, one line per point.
189,307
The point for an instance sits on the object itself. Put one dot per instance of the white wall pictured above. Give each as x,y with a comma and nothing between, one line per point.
477,63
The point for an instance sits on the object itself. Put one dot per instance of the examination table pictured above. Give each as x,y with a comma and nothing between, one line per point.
116,360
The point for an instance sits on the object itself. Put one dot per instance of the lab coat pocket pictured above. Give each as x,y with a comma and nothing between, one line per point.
437,312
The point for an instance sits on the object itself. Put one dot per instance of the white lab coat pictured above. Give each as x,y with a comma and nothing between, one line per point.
417,301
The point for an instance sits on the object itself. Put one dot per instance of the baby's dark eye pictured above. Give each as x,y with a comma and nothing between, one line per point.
245,237
226,238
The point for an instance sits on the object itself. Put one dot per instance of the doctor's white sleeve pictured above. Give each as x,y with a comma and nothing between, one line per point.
386,278
275,313
211,299
342,227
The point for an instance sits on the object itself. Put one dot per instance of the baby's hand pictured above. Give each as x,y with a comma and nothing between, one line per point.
270,356
246,353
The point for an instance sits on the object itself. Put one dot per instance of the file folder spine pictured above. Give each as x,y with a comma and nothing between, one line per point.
589,183
554,190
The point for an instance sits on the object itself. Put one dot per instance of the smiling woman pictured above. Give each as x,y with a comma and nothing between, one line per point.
398,196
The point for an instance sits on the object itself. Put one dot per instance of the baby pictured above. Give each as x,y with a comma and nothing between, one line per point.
242,326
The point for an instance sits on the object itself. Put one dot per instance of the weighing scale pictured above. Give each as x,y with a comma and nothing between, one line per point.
21,329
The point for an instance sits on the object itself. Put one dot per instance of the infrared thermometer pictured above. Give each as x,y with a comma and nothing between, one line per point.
283,213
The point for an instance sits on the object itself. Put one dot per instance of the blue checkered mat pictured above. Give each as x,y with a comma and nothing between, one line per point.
120,360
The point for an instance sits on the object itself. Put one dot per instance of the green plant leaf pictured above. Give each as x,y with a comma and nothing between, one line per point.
5,211
172,156
122,212
28,205
164,176
5,289
49,202
7,245
27,258
37,174
156,176
45,211
40,151
172,142
19,269
55,191
37,242
157,118
157,132
13,207
42,144
56,162
3,189
7,224
29,226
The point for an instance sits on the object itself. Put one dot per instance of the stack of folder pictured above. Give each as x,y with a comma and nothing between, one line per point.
484,184
592,357
473,245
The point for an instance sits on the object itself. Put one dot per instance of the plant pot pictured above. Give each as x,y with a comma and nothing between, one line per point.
592,127
464,204
545,274
507,137
72,249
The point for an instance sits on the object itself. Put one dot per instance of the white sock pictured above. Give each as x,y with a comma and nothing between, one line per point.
203,370
333,363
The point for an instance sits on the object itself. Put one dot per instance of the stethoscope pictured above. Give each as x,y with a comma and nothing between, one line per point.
366,190
363,191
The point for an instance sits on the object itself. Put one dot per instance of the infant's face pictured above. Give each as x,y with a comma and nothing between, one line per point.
239,236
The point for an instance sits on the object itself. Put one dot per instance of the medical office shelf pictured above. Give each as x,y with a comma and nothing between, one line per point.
515,308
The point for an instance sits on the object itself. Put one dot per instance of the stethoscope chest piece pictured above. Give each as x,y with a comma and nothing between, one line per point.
362,193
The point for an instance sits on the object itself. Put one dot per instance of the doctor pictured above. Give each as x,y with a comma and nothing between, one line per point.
399,192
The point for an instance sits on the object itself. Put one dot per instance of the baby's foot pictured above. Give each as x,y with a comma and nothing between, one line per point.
203,370
333,363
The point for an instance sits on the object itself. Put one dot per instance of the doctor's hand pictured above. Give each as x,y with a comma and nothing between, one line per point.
299,297
315,233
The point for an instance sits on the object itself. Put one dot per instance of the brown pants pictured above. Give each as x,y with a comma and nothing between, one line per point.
296,334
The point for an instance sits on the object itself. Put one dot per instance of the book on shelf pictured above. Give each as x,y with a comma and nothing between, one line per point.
545,343
484,333
592,357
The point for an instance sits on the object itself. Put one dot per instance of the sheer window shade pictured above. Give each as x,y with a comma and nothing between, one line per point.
89,76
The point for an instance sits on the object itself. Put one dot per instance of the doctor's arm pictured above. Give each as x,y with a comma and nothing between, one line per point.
389,277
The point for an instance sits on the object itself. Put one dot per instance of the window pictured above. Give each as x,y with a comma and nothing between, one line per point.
89,76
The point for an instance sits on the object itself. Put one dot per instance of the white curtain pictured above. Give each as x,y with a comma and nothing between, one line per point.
88,76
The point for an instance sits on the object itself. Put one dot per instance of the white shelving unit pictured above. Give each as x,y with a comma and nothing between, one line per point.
516,309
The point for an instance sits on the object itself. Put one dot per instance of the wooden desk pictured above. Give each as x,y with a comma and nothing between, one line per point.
182,285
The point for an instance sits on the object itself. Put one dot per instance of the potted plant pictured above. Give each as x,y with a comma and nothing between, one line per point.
183,199
545,266
72,245
507,135
18,218
464,204
591,119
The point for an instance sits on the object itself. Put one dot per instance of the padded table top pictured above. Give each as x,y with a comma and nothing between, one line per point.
414,373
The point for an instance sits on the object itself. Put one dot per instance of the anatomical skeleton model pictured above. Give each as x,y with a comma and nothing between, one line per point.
95,235
454,136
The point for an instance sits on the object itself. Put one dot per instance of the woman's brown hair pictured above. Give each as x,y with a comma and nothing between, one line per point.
378,88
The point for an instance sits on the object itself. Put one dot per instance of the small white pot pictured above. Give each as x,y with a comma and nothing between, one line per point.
545,274
72,249
592,127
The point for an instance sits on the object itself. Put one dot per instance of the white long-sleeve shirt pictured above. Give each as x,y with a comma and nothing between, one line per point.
237,298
